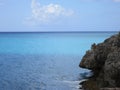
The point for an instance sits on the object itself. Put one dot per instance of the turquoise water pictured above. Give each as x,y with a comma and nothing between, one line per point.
44,61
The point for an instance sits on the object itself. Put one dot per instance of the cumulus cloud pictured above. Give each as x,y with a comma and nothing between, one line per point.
47,13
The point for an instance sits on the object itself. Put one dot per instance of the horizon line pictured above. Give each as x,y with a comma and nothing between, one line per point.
57,31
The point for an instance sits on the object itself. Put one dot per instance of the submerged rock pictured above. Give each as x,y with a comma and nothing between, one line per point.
104,61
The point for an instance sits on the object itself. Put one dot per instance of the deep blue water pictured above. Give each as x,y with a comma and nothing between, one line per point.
44,61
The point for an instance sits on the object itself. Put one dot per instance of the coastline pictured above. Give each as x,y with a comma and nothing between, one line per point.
103,60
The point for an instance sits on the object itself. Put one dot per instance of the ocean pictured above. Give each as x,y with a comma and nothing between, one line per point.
44,61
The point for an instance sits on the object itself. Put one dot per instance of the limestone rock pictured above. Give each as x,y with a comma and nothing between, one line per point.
104,60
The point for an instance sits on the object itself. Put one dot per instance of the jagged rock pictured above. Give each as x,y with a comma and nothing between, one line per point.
104,61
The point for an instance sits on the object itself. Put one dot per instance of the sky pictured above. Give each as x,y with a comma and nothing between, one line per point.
59,15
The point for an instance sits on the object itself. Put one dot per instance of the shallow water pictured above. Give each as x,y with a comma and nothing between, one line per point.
43,61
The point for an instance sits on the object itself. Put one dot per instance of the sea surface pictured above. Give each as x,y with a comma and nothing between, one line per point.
44,61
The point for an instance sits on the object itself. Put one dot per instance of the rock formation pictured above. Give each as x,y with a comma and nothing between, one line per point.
104,61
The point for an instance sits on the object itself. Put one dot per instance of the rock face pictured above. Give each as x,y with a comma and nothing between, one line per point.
104,61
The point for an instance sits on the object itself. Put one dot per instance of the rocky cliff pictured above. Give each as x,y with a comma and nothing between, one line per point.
104,61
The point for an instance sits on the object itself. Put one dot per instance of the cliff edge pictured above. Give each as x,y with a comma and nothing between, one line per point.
104,61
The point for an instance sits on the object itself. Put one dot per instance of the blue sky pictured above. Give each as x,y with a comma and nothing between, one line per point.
59,15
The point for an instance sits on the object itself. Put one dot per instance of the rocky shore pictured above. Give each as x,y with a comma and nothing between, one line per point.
104,61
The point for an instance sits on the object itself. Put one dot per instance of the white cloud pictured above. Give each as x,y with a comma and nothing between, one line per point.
47,13
103,0
116,0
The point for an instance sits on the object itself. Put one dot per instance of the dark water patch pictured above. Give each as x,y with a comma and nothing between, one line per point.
39,72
